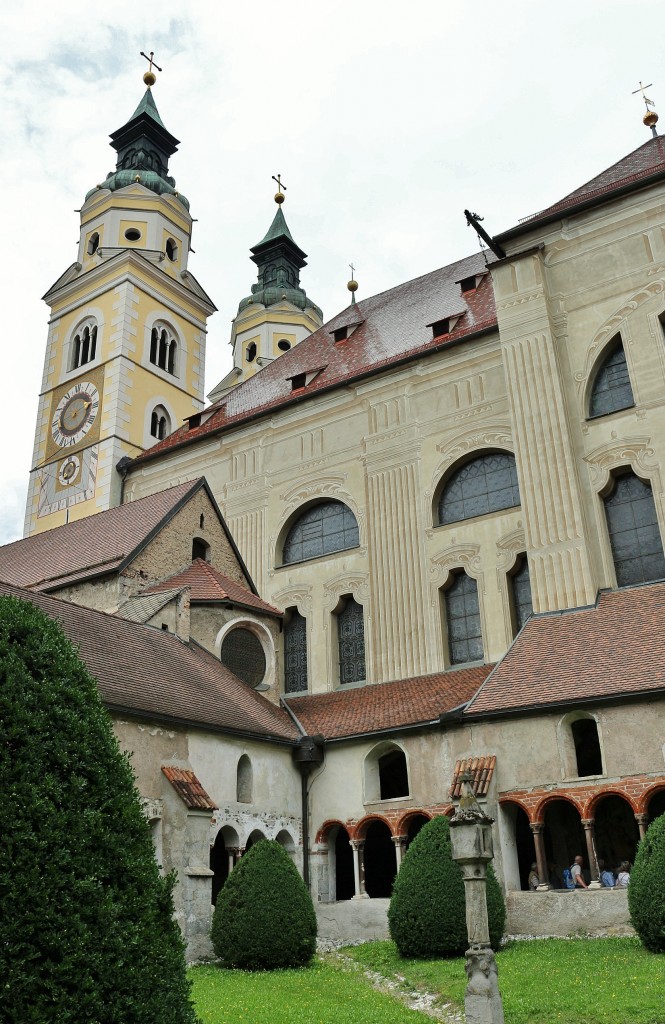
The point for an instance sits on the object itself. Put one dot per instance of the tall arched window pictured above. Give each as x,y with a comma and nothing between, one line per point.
611,389
487,483
244,780
295,652
633,529
588,757
351,641
519,581
84,344
163,348
160,423
200,549
465,639
320,530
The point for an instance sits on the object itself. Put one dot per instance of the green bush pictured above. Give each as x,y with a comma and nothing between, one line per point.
646,890
264,918
86,925
427,916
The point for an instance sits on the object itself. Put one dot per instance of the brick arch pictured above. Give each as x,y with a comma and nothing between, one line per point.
539,813
592,803
403,822
505,800
360,829
644,798
330,823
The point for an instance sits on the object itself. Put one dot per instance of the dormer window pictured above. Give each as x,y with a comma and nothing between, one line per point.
440,327
194,421
301,380
341,334
468,284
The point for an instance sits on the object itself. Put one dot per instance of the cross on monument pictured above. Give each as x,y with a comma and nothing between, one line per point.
647,102
150,60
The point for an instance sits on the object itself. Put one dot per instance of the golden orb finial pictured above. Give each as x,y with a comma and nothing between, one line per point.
279,195
650,118
352,285
150,77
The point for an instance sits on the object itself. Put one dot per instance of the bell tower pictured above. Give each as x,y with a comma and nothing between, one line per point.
125,354
278,314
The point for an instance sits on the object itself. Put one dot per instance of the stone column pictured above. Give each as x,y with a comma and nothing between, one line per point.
588,826
232,853
642,823
358,847
537,828
400,847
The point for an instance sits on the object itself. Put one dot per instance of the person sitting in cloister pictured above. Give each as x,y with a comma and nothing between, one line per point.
623,876
576,872
534,881
606,876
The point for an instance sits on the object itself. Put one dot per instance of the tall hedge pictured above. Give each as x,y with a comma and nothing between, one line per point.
86,925
646,890
264,917
427,915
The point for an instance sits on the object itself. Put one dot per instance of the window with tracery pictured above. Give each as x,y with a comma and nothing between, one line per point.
242,653
295,652
611,389
487,483
160,423
163,348
632,524
521,605
465,638
351,642
321,530
84,344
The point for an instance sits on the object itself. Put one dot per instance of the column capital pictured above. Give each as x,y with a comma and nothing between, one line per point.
536,827
398,840
588,822
357,844
642,818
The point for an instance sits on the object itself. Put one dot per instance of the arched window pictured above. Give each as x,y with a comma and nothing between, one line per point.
295,652
633,529
84,344
250,352
386,773
244,780
242,653
519,581
163,348
172,249
611,388
586,741
486,484
465,639
200,549
93,243
160,423
320,530
351,641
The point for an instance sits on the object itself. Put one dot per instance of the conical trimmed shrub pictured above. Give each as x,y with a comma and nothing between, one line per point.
264,917
646,889
86,925
427,915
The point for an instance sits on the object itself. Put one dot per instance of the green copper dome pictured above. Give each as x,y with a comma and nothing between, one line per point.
279,260
144,147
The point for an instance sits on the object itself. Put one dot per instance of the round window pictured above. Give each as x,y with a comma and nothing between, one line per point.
242,653
250,353
284,345
132,234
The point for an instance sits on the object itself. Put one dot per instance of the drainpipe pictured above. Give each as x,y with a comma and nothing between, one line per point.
123,468
307,754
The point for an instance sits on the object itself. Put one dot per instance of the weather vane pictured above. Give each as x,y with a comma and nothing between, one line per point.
650,119
279,194
150,77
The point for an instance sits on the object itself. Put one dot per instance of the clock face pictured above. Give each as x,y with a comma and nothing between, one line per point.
75,414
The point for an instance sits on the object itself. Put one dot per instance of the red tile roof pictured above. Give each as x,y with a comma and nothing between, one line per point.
153,674
207,585
386,706
637,169
91,546
482,769
188,788
615,649
393,328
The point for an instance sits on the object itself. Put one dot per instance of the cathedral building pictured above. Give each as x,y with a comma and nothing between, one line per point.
423,537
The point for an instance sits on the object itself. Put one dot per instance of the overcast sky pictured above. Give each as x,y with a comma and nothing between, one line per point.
385,120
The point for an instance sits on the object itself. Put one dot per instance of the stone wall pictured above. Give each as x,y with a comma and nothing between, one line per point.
569,912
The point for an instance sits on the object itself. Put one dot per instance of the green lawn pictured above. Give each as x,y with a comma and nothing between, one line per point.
548,981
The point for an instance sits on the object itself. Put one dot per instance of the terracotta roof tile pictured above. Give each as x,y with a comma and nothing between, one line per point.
482,769
616,648
153,673
383,706
207,584
635,169
188,788
393,327
90,546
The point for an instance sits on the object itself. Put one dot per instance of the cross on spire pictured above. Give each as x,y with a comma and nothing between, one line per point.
650,119
150,60
279,195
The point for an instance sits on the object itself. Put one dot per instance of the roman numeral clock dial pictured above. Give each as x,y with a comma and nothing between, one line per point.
75,414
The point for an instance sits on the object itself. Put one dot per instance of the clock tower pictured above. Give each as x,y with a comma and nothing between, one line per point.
125,355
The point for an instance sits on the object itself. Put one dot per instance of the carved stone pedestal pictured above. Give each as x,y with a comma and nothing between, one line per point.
482,1000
